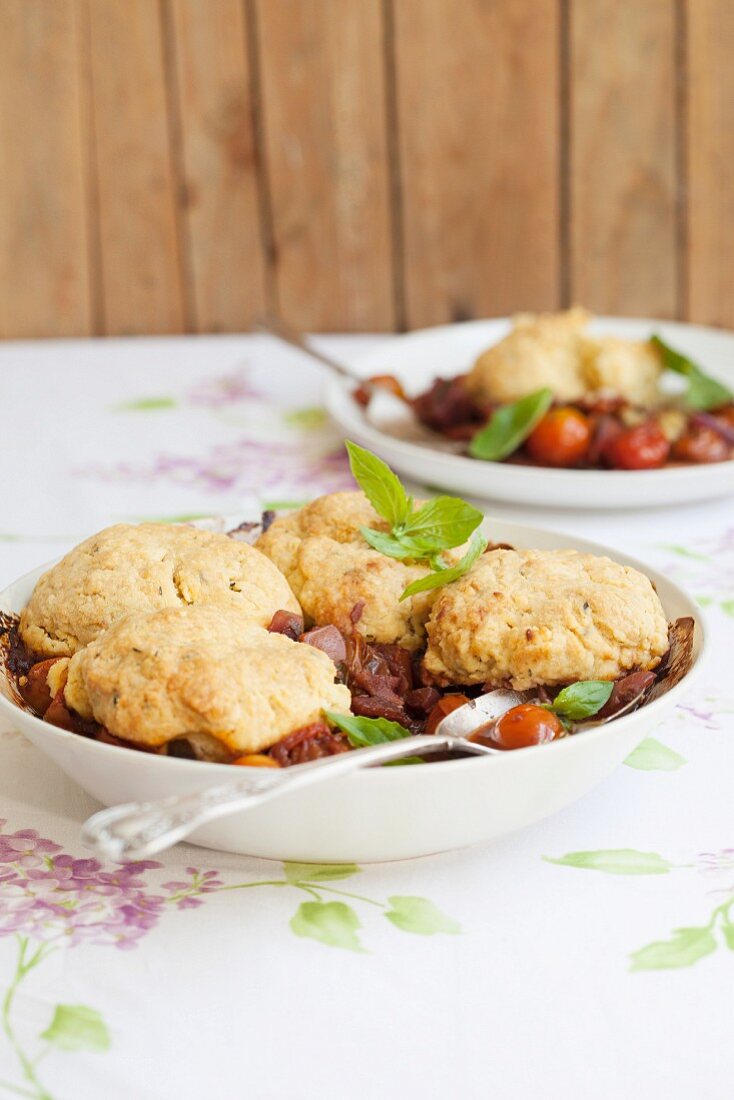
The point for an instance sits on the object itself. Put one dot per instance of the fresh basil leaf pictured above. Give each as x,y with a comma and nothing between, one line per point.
367,731
379,484
582,699
703,391
510,425
389,545
441,524
452,573
706,393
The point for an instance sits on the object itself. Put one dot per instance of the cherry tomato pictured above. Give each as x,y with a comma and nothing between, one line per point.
526,725
641,448
444,706
700,444
561,438
726,413
256,760
389,382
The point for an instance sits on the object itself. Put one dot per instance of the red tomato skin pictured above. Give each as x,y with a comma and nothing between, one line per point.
641,448
701,445
526,725
561,438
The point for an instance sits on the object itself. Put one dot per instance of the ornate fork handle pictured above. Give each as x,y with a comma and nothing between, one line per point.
137,830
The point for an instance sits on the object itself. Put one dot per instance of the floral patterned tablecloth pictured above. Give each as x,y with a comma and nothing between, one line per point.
589,956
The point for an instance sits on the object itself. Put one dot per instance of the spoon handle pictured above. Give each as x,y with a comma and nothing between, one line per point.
281,330
137,830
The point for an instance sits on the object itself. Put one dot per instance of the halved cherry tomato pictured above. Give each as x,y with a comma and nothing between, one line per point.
444,706
561,438
700,444
526,725
641,448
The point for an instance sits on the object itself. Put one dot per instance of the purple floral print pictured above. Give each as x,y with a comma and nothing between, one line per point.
243,466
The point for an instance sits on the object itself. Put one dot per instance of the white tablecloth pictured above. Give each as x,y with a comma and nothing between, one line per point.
589,956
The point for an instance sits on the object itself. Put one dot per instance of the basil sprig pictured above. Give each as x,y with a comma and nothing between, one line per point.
704,392
510,425
449,573
380,485
372,731
581,700
416,534
366,731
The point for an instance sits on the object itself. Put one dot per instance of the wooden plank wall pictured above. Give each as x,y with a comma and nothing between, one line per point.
362,165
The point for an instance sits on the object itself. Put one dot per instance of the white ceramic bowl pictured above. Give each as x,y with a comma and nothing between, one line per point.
419,357
379,814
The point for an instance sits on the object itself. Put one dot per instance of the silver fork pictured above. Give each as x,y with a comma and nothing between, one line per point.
137,830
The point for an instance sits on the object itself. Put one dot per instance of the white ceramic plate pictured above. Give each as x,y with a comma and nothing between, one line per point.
419,357
378,814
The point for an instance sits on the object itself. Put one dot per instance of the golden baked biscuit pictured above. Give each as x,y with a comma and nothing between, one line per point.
532,617
553,350
201,671
626,368
333,571
129,568
337,516
541,350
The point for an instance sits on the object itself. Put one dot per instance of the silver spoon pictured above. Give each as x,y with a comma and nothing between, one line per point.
281,330
385,410
138,830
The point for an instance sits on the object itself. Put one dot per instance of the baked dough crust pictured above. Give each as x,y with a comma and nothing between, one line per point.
532,617
128,568
204,669
331,569
554,350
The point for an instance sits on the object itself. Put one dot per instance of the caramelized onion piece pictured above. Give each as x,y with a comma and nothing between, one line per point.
623,692
288,623
329,640
34,687
679,658
309,743
58,714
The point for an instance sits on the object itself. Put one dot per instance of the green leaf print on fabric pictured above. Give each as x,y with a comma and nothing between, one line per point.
307,419
146,404
282,505
727,930
652,755
727,606
683,551
421,916
77,1027
686,947
329,922
616,861
319,872
329,926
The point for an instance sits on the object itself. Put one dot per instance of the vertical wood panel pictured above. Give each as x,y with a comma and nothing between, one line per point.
478,129
623,157
324,117
142,288
44,274
226,260
710,133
